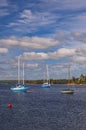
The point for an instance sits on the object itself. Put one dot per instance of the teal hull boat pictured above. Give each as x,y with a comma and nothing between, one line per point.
20,88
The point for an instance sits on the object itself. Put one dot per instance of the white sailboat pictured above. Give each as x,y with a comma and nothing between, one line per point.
68,91
20,87
47,83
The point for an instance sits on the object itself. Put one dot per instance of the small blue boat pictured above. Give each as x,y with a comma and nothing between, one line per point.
45,85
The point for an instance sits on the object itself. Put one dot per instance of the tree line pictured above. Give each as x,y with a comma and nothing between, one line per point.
73,80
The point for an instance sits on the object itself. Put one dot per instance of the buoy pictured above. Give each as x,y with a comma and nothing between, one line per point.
10,105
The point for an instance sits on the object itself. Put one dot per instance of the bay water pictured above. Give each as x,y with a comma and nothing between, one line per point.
43,109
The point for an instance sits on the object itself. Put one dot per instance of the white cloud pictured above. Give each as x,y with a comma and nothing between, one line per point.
28,15
52,15
34,56
33,18
42,18
29,42
32,66
80,56
81,51
76,56
29,21
79,59
62,52
79,36
3,50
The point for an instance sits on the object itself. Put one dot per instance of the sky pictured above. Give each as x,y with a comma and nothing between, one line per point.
42,32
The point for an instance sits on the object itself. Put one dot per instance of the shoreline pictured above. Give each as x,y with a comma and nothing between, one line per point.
77,84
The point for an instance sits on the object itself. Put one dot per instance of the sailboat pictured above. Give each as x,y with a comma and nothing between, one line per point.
68,91
20,87
46,84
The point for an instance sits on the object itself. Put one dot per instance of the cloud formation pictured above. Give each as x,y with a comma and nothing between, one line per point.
29,42
29,21
79,59
60,53
3,50
42,31
32,66
34,56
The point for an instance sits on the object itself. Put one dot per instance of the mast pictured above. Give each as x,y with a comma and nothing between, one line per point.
23,73
47,74
68,74
19,70
44,78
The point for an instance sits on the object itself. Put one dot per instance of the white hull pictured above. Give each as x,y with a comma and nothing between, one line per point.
67,91
45,85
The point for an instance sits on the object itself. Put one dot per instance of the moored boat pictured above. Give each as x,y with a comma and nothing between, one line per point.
20,87
68,90
47,83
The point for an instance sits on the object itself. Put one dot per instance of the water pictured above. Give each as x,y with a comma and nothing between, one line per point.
43,109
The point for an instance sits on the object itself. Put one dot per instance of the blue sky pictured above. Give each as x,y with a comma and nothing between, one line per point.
42,32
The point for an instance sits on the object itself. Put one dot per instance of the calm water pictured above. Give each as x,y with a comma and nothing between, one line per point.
43,109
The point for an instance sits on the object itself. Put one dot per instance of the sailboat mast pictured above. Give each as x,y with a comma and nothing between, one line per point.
68,74
18,70
47,74
23,73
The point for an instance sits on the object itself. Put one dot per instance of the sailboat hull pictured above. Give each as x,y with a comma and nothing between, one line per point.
19,89
67,91
46,86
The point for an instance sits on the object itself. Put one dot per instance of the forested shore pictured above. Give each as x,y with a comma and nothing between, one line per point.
73,81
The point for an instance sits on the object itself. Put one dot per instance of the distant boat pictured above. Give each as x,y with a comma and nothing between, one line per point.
47,83
68,90
20,87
